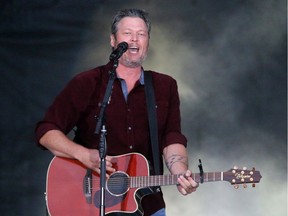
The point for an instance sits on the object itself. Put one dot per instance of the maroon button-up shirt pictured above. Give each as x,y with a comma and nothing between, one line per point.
126,120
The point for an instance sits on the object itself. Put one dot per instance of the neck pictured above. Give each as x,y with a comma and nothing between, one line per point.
128,73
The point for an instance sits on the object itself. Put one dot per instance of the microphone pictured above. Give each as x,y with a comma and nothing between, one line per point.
118,52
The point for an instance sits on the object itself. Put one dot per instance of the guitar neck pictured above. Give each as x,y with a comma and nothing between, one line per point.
162,180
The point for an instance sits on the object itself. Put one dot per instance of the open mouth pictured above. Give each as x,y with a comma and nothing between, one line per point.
133,49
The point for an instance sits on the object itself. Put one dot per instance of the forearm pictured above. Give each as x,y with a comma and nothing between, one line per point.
60,145
176,158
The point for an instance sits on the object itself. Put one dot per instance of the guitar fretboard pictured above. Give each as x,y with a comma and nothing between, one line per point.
162,180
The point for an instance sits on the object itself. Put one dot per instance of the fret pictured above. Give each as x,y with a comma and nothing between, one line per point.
211,174
209,177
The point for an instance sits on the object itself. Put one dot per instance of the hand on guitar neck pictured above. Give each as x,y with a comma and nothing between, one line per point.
176,160
187,184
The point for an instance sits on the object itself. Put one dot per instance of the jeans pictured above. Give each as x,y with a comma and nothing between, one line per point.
161,212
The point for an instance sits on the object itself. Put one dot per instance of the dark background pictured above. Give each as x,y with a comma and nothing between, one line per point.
230,61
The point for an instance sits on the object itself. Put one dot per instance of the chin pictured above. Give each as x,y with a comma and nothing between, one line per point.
133,63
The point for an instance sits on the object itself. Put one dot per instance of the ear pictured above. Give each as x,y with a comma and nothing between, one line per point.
112,40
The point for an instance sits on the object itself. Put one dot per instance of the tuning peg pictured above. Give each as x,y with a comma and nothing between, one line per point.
235,167
244,168
253,185
236,186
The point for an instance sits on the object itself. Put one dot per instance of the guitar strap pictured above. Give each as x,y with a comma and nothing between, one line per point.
151,108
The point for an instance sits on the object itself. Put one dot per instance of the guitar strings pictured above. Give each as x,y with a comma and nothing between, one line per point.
138,181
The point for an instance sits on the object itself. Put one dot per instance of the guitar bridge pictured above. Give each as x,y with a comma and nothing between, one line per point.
87,186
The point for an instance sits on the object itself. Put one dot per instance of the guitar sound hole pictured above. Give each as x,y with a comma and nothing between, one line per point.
118,183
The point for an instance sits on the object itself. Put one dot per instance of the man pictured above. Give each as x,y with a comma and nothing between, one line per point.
126,117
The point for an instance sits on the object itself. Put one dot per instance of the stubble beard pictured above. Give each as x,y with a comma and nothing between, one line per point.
133,63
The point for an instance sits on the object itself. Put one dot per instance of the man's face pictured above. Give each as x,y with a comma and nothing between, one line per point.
132,30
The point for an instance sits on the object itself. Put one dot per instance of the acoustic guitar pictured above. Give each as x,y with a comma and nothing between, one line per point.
74,190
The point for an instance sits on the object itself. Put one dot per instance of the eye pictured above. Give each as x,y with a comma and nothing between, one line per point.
142,34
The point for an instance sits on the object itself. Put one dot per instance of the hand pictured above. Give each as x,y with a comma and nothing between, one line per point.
186,184
91,159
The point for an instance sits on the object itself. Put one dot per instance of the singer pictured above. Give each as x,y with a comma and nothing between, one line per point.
127,123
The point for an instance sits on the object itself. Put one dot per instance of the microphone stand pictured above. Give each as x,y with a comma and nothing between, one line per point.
102,143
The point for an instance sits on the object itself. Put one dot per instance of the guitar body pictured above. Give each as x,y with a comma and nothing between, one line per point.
74,190
66,185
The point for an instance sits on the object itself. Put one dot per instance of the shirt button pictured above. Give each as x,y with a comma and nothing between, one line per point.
129,128
131,147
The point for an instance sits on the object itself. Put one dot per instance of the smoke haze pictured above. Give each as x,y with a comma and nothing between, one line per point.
228,57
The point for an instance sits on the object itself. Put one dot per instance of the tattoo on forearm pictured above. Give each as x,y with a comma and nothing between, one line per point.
171,160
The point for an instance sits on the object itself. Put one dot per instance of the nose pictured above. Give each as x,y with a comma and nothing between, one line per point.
134,37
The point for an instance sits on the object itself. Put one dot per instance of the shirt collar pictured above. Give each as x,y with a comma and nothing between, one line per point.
141,79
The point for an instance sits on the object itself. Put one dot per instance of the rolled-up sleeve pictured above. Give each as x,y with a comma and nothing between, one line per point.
168,111
64,112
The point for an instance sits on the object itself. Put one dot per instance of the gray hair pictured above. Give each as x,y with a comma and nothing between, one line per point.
130,13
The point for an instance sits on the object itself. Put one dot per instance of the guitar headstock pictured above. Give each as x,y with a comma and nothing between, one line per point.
242,176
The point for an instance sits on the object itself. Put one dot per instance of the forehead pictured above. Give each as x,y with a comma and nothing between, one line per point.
132,23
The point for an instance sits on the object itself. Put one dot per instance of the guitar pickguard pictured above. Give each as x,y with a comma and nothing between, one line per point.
110,200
